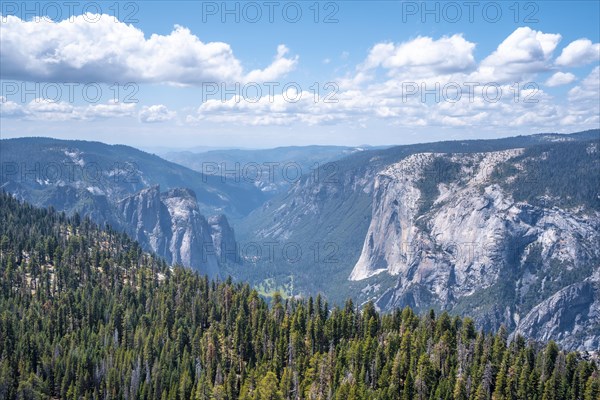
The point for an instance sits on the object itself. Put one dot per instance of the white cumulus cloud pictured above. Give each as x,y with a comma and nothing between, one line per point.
109,51
444,55
156,113
579,52
560,78
522,53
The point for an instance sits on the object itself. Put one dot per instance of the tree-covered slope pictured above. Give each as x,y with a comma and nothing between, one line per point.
84,313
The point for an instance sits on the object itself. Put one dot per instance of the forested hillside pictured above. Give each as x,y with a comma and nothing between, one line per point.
84,313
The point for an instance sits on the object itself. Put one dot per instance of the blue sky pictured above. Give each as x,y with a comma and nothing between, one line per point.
186,73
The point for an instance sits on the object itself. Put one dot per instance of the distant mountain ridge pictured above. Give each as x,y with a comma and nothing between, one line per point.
271,170
40,165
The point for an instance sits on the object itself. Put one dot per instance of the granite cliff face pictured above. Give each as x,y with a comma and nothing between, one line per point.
223,239
571,316
147,220
487,228
170,224
445,226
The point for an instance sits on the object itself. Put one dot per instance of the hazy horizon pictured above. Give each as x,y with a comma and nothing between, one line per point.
199,148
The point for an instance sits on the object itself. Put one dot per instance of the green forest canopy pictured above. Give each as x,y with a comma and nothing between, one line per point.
85,314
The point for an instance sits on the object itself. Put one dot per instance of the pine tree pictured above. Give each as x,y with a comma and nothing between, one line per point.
592,387
460,390
268,388
409,387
